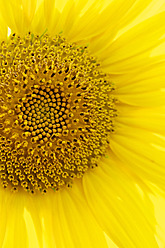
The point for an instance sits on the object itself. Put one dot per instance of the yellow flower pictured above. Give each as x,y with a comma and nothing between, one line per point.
82,113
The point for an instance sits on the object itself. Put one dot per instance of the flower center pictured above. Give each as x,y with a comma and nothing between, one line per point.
56,112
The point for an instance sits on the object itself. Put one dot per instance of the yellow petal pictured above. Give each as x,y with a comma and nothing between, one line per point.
128,51
9,14
137,9
146,99
13,225
144,79
61,15
142,152
32,237
96,19
151,69
3,29
18,14
29,8
120,206
52,15
3,217
59,18
67,220
150,119
32,216
139,88
124,14
67,17
159,205
38,25
149,9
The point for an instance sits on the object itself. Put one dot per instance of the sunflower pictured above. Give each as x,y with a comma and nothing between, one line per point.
82,103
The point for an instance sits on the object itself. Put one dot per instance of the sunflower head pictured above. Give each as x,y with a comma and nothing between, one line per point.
59,60
56,112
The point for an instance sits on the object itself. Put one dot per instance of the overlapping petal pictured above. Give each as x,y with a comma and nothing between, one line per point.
13,229
18,14
149,119
116,191
142,152
129,50
66,219
120,206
